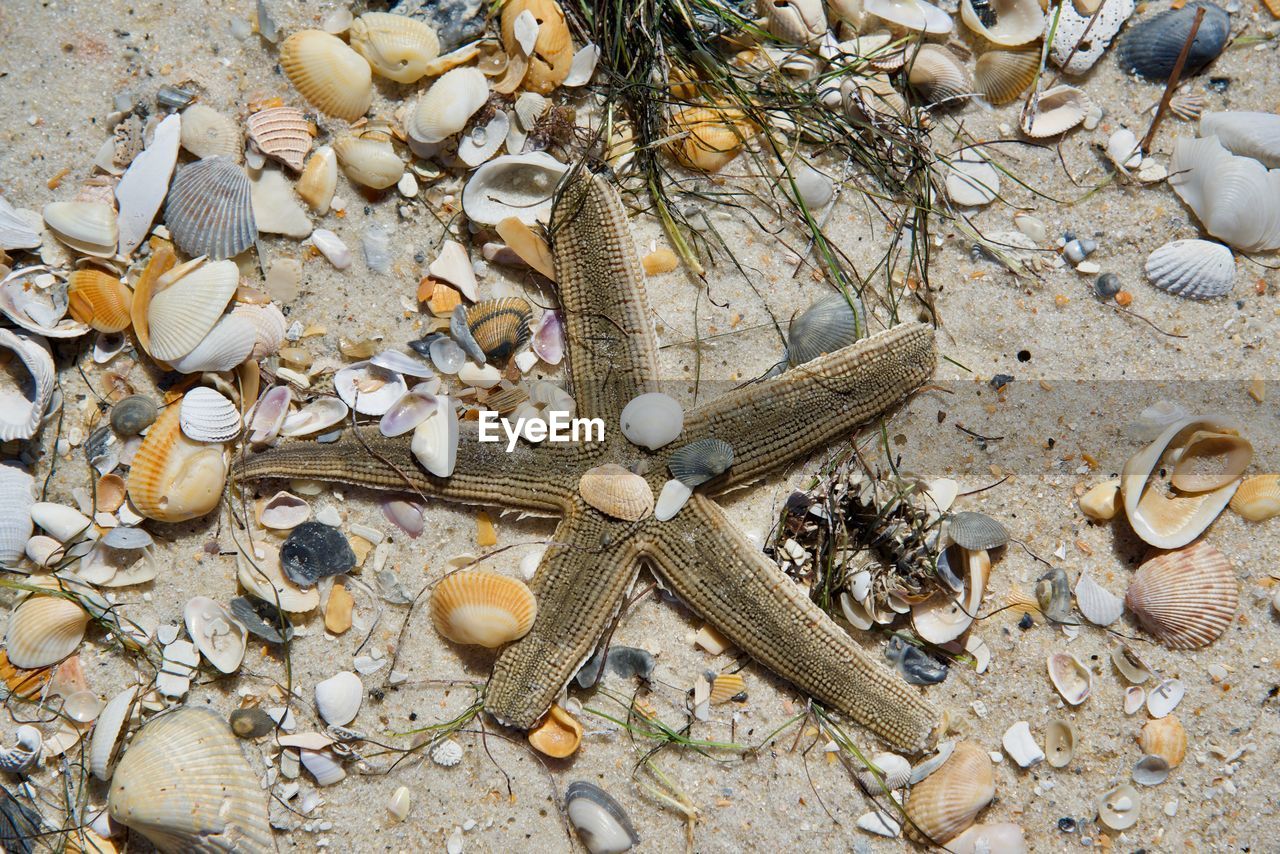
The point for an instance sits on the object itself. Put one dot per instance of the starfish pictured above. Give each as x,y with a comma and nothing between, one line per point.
700,556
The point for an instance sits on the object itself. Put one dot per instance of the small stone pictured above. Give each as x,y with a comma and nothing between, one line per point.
1079,249
1124,298
314,551
1102,502
337,610
407,185
1106,286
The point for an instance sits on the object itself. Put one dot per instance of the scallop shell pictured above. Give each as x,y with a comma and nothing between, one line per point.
99,300
264,579
827,325
706,139
19,228
1072,679
1059,743
893,771
209,133
1150,48
27,383
16,497
319,180
514,185
368,161
1164,737
939,76
482,608
617,492
698,462
946,802
207,416
1258,497
228,344
794,22
602,824
283,133
499,326
367,388
1119,808
330,75
338,698
184,785
268,324
90,228
1185,598
446,107
107,730
172,478
1099,605
1016,22
43,630
219,636
1002,75
915,15
1197,269
1255,135
1056,111
558,735
1236,199
395,46
652,420
976,531
552,55
209,210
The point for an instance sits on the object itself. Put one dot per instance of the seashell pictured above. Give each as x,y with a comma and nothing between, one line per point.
1150,770
127,538
395,46
1008,23
1150,48
1005,838
172,478
1165,737
499,327
1102,502
946,802
972,182
880,824
43,630
209,133
1021,745
219,636
446,107
314,551
583,66
332,248
558,735
943,618
706,139
1098,605
90,228
552,55
447,753
1236,199
207,416
482,608
229,343
514,185
1055,112
1119,808
19,228
331,76
617,492
25,751
142,189
323,765
915,15
1255,135
408,412
184,785
24,399
274,210
264,578
269,326
1059,743
133,414
252,722
976,531
1082,37
338,698
893,771
317,416
181,315
209,209
484,140
282,133
1135,697
368,161
16,498
367,388
453,265
99,300
602,824
794,22
1197,269
1071,678
283,511
1185,598
1258,497
1131,667
1165,697
435,439
671,500
1002,75
825,326
530,107
1172,521
319,180
652,420
107,730
938,75
698,462
263,619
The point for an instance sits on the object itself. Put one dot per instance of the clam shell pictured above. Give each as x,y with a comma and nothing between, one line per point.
514,185
1056,111
671,500
1164,737
90,228
209,210
1258,497
1150,770
207,416
1185,598
107,729
1119,808
946,802
601,822
1135,697
893,770
942,617
19,228
938,75
269,327
37,310
331,76
1059,743
706,139
219,636
972,182
1165,697
228,344
1255,135
698,462
446,107
1004,837
172,478
395,46
319,180
371,162
483,141
142,189
1072,679
315,417
264,578
499,326
1002,75
914,15
652,420
367,388
26,384
209,133
282,133
1098,605
1131,667
338,698
1016,22
482,608
435,439
99,300
794,21
283,511
43,630
552,55
1021,745
825,326
65,524
976,531
323,765
558,735
1236,199
1150,48
16,497
617,492
184,785
1197,269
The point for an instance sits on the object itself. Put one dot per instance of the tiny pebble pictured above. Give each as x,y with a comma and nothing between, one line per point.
1077,250
1106,286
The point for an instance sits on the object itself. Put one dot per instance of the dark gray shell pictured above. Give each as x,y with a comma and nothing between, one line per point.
975,531
627,662
209,210
823,327
698,462
581,789
914,665
251,722
461,332
1053,595
133,414
313,551
262,619
1151,47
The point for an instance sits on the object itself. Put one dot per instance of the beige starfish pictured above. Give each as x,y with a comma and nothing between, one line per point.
710,565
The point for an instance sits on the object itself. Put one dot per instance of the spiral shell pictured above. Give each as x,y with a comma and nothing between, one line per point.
1002,75
616,492
99,299
1197,269
209,209
330,75
283,133
482,608
1185,598
947,802
395,46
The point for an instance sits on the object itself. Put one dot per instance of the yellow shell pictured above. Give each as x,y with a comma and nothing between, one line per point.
1258,497
482,608
1003,75
100,300
529,245
1165,737
1186,598
947,802
330,75
558,735
396,47
617,492
43,630
552,52
172,478
319,180
726,686
710,137
162,261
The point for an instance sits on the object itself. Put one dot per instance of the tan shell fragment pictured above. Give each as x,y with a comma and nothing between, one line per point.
282,133
1185,598
1059,743
552,55
947,802
1055,112
617,492
1165,737
319,179
558,736
1102,502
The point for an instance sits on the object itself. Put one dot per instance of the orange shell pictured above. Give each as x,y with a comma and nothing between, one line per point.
552,52
27,684
558,735
1165,737
726,686
482,608
944,804
172,478
1186,598
1258,498
162,261
100,300
710,137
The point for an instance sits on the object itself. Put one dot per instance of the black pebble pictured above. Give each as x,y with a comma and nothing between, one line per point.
1106,286
999,381
314,551
1067,825
1026,622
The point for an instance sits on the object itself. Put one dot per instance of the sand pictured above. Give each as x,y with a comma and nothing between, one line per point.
1086,371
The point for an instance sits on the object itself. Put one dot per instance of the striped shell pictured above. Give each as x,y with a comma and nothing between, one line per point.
1197,269
794,22
1056,111
269,325
617,492
184,784
482,608
228,344
207,416
1185,598
893,773
1150,48
395,46
99,299
698,462
558,735
446,107
208,133
107,730
16,498
283,133
945,803
182,314
824,327
1258,497
552,55
24,399
1098,605
43,630
1164,737
977,531
331,76
87,227
368,161
172,478
1236,199
708,138
499,326
209,210
1255,135
939,75
1002,75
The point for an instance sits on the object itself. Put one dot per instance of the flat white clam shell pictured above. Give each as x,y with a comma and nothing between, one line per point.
972,182
219,636
915,15
652,420
483,141
207,416
268,582
369,389
228,343
314,417
671,500
518,185
338,698
322,765
1247,134
24,399
1165,697
87,227
583,66
1197,269
1098,605
448,104
1072,679
142,189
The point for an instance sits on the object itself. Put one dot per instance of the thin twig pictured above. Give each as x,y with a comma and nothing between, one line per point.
1172,84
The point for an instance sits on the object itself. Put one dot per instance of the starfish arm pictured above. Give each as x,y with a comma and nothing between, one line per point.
729,582
782,419
612,349
580,584
530,477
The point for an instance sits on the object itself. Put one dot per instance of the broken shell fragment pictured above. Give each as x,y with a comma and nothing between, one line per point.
617,492
319,179
369,389
1059,743
1165,737
29,380
208,133
558,736
1008,23
892,773
1021,745
397,47
1070,678
1130,666
1098,605
107,730
435,439
1055,111
1185,598
252,722
219,636
946,802
482,608
1102,502
602,824
330,75
282,133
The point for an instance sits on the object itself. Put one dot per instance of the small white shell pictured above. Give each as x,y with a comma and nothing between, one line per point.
23,400
209,133
1165,697
435,440
332,248
1059,743
107,730
16,497
19,228
1197,269
178,667
671,500
1119,808
1015,22
1056,111
447,753
268,321
1150,770
914,15
652,420
893,769
25,751
972,182
1072,679
319,180
275,211
207,416
87,227
1021,745
484,140
338,698
1135,697
142,189
583,66
267,581
228,343
446,107
323,766
518,185
219,636
1098,605
369,389
368,161
284,511
453,265
314,417
61,522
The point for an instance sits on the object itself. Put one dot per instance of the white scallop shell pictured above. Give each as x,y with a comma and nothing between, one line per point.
219,636
338,698
19,228
181,315
1021,745
1055,112
435,440
1099,605
652,420
142,189
314,417
207,416
209,133
17,494
107,731
1236,199
87,227
24,399
268,322
228,344
518,185
484,140
1198,269
446,107
1255,135
367,388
